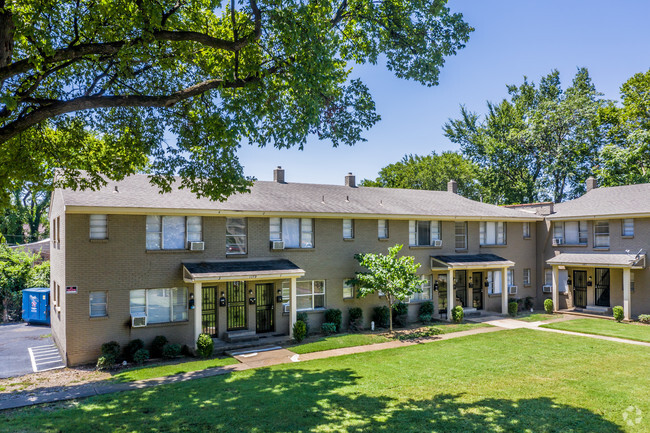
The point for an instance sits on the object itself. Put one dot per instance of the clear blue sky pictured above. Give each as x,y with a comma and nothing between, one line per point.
512,38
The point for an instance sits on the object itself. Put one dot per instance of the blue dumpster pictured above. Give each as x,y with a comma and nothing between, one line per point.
36,305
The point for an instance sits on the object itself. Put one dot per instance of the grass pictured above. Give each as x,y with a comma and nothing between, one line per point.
538,317
162,370
609,328
338,342
448,328
508,381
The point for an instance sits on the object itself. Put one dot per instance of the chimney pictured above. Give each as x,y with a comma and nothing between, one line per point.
278,175
591,183
350,180
452,186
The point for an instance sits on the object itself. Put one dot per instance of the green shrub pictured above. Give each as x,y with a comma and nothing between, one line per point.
619,314
355,319
105,362
428,332
426,308
204,346
171,351
304,317
131,348
299,331
334,315
427,319
644,318
513,307
529,303
380,316
548,306
457,314
112,349
157,346
186,351
140,356
328,328
400,314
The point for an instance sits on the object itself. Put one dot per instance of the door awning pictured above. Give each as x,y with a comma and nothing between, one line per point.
240,270
469,261
609,260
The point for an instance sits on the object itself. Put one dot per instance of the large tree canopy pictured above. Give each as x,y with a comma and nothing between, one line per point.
212,74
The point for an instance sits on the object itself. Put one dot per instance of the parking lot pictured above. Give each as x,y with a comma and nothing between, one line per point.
27,349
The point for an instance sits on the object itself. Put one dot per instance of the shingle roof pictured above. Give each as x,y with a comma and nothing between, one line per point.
240,268
470,260
137,193
596,259
610,201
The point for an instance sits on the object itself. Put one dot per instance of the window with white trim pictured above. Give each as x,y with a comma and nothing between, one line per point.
548,277
494,282
601,234
526,279
461,235
294,232
172,232
424,233
511,277
382,229
236,236
526,230
310,295
425,294
627,228
348,289
98,304
98,226
160,305
492,233
348,228
570,232
632,281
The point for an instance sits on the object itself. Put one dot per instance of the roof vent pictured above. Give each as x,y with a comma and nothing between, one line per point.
591,183
452,186
278,175
350,180
116,190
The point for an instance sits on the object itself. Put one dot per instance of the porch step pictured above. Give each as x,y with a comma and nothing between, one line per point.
471,312
251,350
241,336
596,309
582,313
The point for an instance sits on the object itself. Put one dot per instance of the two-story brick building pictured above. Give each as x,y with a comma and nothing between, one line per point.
128,262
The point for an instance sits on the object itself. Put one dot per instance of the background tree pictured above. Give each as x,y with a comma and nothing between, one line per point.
19,270
431,172
387,273
626,157
539,145
27,209
212,74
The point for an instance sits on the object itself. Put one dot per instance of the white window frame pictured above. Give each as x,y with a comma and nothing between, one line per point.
241,249
500,233
526,230
627,224
511,277
495,285
559,231
171,304
349,288
348,228
275,232
91,303
601,240
527,277
312,295
98,226
462,235
435,232
191,234
425,294
382,229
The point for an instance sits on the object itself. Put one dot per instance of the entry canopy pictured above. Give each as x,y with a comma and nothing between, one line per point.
610,260
469,261
238,270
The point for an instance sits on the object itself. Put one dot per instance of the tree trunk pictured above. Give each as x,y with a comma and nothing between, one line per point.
390,313
6,35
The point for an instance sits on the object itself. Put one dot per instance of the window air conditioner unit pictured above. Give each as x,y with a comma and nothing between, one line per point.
138,320
547,289
512,290
437,243
557,241
197,246
277,245
286,308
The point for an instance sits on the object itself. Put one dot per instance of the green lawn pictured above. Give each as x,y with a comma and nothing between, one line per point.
609,328
151,371
539,317
448,328
338,342
508,381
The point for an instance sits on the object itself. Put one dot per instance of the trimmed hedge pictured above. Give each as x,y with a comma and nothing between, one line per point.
299,330
619,313
457,314
334,315
204,346
548,306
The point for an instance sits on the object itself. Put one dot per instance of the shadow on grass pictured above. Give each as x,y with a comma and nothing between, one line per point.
294,399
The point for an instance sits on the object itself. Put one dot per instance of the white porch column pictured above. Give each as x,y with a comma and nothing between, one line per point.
450,293
555,289
504,290
198,311
293,312
627,306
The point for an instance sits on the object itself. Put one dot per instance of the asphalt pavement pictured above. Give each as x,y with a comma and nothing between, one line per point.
26,349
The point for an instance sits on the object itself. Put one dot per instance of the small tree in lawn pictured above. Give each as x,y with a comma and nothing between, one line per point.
392,275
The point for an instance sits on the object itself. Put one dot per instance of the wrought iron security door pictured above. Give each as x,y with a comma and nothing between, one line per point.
264,307
236,305
209,310
477,290
580,289
602,287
